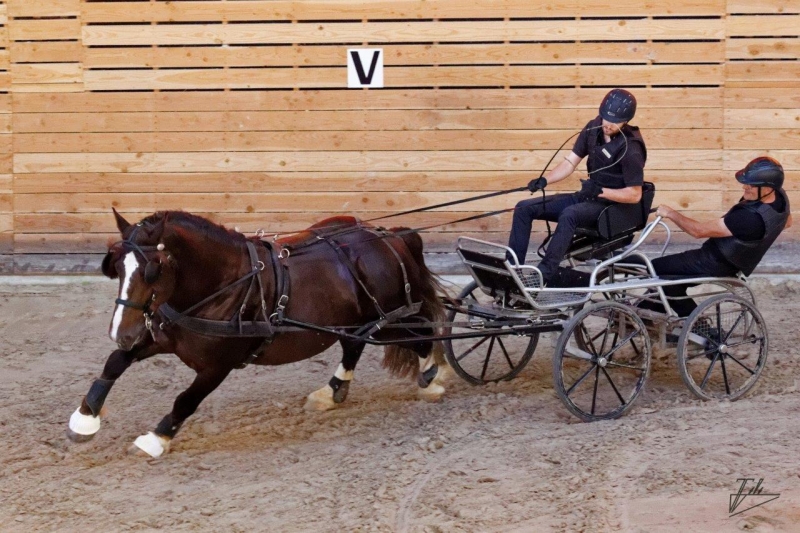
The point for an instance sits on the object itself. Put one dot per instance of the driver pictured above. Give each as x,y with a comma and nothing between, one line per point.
737,241
616,154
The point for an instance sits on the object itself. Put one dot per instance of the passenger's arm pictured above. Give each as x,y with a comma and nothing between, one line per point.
626,195
695,228
563,169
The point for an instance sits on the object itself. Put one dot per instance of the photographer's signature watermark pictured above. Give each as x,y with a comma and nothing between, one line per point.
753,494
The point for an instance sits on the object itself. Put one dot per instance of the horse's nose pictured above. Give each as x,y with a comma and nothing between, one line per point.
125,342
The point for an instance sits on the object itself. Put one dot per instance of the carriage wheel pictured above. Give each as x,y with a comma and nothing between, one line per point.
601,361
490,358
722,348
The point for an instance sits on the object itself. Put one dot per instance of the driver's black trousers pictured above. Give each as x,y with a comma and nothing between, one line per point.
565,209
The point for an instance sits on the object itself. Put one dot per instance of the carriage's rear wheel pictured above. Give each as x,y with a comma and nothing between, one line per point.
602,361
488,358
722,349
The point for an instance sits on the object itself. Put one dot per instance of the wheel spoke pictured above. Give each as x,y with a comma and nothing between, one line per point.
605,333
463,355
708,372
719,324
753,372
505,353
621,400
596,379
748,341
725,375
615,364
736,323
588,339
581,379
488,356
622,343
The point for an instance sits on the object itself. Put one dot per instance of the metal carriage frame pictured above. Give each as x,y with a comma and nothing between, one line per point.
721,347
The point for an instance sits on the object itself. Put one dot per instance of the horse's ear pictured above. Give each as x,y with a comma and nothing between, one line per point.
107,268
152,270
122,224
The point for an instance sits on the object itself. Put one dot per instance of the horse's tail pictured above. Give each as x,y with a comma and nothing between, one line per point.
398,359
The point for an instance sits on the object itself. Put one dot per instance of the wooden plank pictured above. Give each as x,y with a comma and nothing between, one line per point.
763,118
476,76
244,11
765,73
330,161
380,120
47,73
288,202
763,26
338,140
410,54
763,6
48,88
762,48
460,183
44,8
531,99
763,139
737,159
387,32
44,29
46,52
751,98
5,123
5,59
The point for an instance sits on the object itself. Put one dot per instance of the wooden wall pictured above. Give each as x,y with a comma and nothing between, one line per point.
237,109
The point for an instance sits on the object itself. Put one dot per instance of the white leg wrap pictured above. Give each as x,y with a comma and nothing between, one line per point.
344,375
152,444
84,424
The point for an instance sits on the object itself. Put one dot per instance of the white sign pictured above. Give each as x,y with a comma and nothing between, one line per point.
364,68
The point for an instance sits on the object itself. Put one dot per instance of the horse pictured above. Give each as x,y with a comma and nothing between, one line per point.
181,276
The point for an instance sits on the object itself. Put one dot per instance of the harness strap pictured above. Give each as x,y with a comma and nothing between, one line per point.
351,267
406,284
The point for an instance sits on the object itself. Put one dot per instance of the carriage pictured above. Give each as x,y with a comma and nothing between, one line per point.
606,330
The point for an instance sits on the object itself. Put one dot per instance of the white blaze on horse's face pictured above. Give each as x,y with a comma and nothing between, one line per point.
131,264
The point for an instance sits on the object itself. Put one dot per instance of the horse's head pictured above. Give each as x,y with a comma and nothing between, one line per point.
146,273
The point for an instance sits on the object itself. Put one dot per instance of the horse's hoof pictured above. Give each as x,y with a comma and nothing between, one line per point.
77,437
150,444
82,427
320,400
431,393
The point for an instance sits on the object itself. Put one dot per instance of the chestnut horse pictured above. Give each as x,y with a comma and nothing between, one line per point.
182,260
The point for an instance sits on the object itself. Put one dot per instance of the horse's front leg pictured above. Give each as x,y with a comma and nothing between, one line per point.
156,442
85,421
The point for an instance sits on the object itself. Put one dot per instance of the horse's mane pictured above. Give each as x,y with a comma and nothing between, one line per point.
214,232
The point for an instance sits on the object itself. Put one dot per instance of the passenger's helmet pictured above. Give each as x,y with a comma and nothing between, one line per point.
762,172
618,106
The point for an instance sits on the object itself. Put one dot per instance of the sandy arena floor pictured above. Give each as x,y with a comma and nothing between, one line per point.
506,457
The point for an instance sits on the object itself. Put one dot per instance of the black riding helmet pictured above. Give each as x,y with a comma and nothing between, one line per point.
618,106
762,172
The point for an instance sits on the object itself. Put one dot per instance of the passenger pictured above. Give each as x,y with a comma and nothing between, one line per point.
617,155
737,241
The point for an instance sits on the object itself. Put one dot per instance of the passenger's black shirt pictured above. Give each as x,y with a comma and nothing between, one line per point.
745,225
631,164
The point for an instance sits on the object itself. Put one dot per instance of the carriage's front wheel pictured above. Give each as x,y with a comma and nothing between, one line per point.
488,358
722,349
602,361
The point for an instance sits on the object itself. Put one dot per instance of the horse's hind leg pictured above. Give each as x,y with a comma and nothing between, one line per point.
157,442
85,421
432,370
337,388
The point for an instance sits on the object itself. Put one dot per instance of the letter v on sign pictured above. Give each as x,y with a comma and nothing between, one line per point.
364,68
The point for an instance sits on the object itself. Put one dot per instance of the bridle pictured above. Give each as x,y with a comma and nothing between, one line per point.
145,308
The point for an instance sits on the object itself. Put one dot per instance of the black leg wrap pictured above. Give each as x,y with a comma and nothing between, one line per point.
97,394
335,383
426,377
166,428
340,389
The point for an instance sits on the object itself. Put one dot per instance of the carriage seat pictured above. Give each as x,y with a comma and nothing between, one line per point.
614,228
